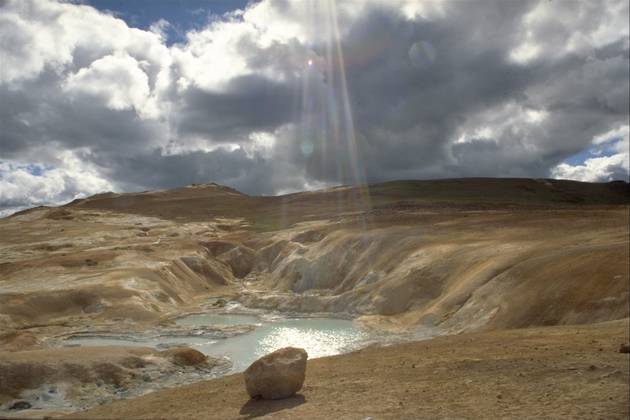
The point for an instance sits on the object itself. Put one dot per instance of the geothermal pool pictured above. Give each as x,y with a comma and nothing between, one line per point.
318,336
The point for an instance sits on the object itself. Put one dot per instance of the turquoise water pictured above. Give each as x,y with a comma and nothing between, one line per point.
318,336
218,319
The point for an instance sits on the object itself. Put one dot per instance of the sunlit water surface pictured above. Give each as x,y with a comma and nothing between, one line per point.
318,336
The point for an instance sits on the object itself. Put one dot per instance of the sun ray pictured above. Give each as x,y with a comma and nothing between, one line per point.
353,161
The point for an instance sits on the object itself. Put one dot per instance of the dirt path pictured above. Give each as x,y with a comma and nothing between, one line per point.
553,372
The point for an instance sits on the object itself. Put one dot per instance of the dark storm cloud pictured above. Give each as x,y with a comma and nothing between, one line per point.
248,104
247,173
406,115
15,132
487,158
40,113
492,88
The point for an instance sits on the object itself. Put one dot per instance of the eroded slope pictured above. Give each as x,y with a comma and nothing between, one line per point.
431,258
454,255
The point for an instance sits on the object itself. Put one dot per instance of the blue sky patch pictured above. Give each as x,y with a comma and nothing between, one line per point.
182,15
37,170
597,150
32,168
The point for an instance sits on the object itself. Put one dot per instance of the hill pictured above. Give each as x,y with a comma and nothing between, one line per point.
425,258
204,201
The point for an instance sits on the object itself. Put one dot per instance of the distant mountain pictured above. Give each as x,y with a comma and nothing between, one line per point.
203,201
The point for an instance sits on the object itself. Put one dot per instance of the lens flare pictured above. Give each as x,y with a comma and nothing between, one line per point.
422,54
326,135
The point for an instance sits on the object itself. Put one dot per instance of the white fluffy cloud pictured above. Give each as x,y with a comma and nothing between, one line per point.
41,34
609,159
24,185
597,169
296,94
118,79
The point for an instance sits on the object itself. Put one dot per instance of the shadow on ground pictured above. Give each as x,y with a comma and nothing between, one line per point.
258,407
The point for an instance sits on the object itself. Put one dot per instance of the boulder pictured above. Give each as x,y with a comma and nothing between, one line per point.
185,356
277,375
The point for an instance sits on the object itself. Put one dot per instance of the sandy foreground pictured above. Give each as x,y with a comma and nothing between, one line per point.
548,372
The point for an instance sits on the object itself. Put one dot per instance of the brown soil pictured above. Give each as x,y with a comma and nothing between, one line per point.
461,254
450,256
550,372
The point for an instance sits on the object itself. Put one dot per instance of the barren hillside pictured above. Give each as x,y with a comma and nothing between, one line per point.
424,257
454,254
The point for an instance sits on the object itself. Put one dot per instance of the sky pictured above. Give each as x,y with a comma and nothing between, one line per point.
180,16
276,96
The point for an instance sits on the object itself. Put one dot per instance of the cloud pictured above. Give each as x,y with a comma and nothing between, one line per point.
286,95
118,80
248,104
608,159
599,169
23,186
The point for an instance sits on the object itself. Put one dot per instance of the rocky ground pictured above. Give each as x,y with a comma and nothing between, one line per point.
38,383
551,372
451,256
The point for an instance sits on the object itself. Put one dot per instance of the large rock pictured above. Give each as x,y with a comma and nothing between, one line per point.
185,356
277,375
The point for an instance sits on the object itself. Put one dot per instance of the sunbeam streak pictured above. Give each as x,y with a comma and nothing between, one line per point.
353,159
326,134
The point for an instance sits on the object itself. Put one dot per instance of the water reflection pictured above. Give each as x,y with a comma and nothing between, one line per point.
319,337
325,339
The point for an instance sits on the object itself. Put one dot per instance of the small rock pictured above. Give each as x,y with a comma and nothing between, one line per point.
624,348
20,405
277,375
220,303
